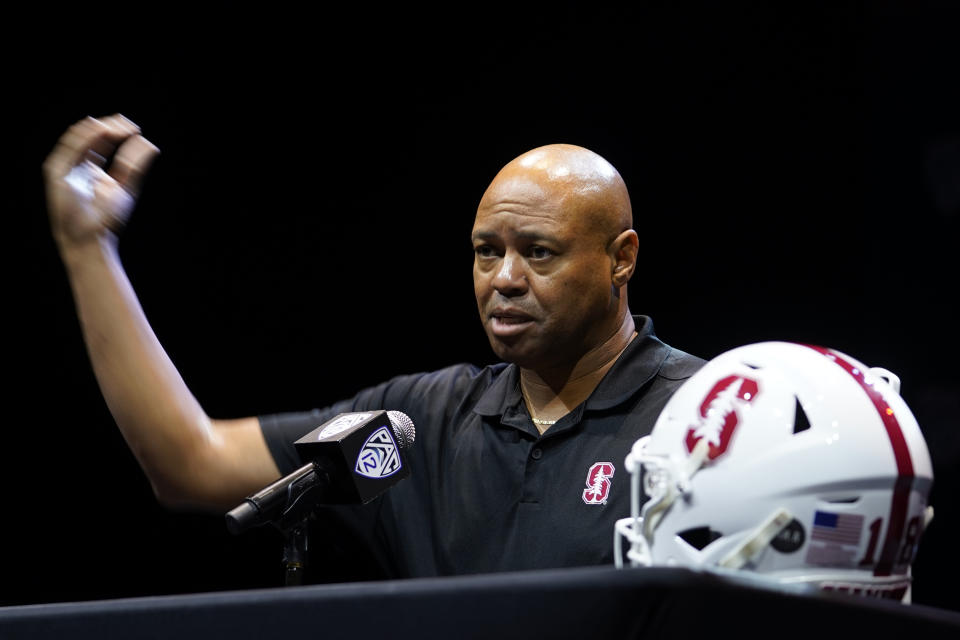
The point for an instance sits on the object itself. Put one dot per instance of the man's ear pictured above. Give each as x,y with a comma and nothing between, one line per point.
623,257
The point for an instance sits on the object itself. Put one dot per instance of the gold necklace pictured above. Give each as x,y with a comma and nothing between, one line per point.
533,415
543,422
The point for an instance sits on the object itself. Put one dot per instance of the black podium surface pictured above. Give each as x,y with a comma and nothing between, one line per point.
595,602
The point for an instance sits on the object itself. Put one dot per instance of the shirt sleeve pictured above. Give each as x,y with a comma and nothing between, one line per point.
281,430
425,397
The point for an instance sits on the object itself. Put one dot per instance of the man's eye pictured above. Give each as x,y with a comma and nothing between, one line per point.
539,253
484,251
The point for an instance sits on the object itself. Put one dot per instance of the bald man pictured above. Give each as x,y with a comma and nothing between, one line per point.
515,466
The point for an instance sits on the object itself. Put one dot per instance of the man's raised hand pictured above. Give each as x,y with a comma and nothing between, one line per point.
87,200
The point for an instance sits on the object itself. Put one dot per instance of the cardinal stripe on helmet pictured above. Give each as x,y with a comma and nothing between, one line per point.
901,453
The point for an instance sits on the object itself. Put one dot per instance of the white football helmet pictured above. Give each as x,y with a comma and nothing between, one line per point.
786,465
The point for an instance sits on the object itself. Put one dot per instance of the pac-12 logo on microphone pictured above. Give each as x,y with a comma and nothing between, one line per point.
598,483
379,456
341,423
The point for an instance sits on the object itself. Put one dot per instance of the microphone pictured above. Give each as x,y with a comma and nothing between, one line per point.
354,457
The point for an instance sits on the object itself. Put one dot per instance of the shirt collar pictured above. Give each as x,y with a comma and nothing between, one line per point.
636,366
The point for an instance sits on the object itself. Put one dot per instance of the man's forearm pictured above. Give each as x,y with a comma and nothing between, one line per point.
156,412
190,459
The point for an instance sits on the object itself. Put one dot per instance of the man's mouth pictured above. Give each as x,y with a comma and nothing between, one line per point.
504,324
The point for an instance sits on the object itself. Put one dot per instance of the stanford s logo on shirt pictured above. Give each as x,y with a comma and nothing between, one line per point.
598,483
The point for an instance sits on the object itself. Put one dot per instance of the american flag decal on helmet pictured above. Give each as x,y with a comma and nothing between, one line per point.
718,413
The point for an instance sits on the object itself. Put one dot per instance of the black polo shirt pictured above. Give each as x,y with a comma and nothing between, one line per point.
486,491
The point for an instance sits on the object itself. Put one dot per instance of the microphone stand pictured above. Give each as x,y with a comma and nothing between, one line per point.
295,554
303,493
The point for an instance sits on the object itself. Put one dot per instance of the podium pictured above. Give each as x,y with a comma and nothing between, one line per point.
590,602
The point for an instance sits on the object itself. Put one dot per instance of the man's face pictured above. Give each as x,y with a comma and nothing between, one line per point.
541,274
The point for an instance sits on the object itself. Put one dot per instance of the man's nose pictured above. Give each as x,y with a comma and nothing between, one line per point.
511,278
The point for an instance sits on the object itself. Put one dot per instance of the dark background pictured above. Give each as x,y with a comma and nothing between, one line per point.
795,174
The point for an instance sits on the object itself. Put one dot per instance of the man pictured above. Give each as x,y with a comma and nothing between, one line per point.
515,465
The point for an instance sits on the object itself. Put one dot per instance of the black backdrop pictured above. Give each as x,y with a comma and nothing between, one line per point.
795,175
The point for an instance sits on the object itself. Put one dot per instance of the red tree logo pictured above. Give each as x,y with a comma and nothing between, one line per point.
718,413
598,483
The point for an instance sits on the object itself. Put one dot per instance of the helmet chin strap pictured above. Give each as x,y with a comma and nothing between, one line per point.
757,541
665,480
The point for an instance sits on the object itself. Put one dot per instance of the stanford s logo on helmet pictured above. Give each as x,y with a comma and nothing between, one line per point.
719,414
798,467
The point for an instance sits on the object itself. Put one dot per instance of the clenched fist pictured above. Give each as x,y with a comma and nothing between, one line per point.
85,199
